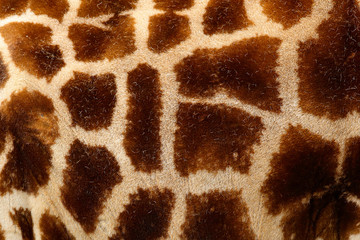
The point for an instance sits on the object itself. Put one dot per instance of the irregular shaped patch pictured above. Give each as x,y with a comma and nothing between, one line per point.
302,186
287,12
4,75
2,237
3,132
166,31
244,70
23,219
30,120
12,7
216,215
53,8
94,8
173,5
31,49
328,66
214,138
142,137
351,165
53,229
89,178
90,99
225,16
330,216
305,164
147,216
92,43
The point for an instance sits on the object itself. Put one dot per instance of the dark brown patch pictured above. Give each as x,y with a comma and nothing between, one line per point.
329,217
94,8
31,49
305,164
351,166
217,216
173,5
3,132
32,125
147,217
53,229
225,16
90,99
214,138
245,70
93,43
23,219
4,75
328,66
12,7
142,139
53,8
166,31
91,174
2,234
287,12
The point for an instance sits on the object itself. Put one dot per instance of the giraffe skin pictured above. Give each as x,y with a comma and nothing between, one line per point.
179,119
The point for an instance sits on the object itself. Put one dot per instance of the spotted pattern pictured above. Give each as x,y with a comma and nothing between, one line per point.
31,49
225,16
90,99
91,174
303,185
94,8
4,75
214,138
93,43
53,229
287,12
22,218
329,79
142,138
173,5
216,215
244,70
167,30
52,8
147,216
30,121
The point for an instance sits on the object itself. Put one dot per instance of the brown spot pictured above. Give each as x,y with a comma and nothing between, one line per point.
305,164
92,43
2,234
53,229
12,7
23,219
91,174
147,217
166,31
214,138
351,166
94,8
53,8
330,217
142,137
32,125
218,216
90,99
225,16
328,66
3,132
173,5
4,76
31,49
287,12
244,70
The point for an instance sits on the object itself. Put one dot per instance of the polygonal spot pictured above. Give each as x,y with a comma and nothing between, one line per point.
90,99
94,8
23,219
52,228
214,138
